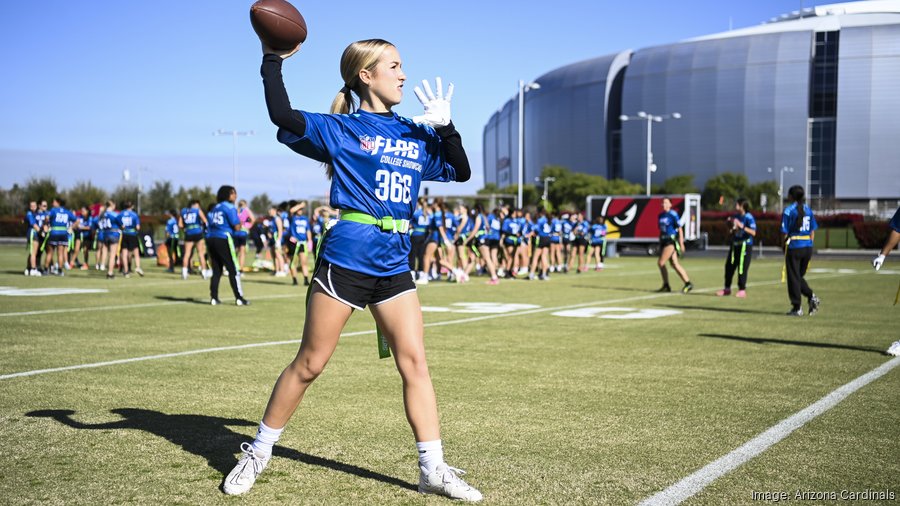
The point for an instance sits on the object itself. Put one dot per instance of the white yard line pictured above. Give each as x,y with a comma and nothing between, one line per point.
364,332
691,485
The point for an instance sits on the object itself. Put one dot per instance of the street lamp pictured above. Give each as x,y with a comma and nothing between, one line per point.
650,119
547,181
234,135
126,176
523,88
780,185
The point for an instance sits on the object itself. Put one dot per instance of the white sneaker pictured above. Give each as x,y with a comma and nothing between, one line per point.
894,349
422,281
241,479
446,481
35,272
139,271
28,272
206,274
280,274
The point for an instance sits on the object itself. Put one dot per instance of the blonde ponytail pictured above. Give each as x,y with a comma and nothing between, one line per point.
363,54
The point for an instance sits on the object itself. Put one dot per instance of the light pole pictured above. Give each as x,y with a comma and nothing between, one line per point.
523,88
650,119
781,186
547,181
234,135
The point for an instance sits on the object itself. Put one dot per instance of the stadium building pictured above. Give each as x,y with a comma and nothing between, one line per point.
816,91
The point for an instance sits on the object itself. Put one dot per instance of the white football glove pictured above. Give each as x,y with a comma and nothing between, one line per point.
877,262
437,108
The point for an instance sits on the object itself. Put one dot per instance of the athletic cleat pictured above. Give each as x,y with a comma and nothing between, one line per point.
127,275
28,272
140,272
687,287
724,292
795,312
446,481
84,267
35,272
110,276
665,288
493,281
742,294
242,302
295,282
894,349
184,275
241,479
214,302
814,304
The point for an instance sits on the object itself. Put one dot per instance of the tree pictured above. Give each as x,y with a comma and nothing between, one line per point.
84,193
530,194
12,201
125,192
677,185
261,203
39,189
205,195
160,198
724,189
767,188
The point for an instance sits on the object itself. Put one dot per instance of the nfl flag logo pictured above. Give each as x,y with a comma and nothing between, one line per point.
367,144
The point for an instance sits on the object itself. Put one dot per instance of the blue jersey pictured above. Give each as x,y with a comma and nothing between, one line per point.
60,221
568,229
222,220
493,227
598,233
584,227
130,222
300,228
895,221
318,226
379,163
111,224
451,222
190,216
172,227
84,224
468,227
798,229
740,235
30,222
543,227
420,222
40,218
669,224
434,226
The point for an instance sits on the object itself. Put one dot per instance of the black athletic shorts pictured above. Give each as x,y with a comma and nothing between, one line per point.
358,290
580,241
292,248
665,240
193,238
109,240
459,241
130,242
239,240
492,243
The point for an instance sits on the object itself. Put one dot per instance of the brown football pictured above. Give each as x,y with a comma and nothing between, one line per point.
278,23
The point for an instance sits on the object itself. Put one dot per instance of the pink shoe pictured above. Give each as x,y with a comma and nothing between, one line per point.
741,294
494,281
723,292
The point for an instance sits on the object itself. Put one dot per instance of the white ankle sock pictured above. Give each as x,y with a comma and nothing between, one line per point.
431,454
266,437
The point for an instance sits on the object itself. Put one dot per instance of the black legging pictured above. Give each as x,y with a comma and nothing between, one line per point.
738,259
220,256
417,252
796,261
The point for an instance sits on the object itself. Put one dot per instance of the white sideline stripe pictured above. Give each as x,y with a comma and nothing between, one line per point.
360,333
134,306
697,481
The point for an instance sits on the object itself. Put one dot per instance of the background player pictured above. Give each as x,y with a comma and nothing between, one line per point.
671,244
798,226
192,221
131,244
223,222
743,230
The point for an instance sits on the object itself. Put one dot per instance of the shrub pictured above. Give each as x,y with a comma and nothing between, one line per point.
871,234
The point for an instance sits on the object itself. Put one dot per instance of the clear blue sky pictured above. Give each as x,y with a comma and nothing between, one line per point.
91,87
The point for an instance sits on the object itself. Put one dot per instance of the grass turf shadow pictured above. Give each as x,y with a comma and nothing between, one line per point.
722,309
189,300
761,340
209,437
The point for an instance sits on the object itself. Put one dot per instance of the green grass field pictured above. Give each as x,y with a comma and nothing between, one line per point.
538,408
